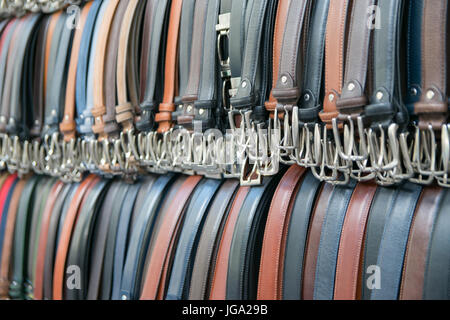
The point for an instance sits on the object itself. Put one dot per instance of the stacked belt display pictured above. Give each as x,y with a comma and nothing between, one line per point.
354,90
188,237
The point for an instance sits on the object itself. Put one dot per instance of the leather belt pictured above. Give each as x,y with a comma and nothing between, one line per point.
209,241
379,212
280,21
437,265
68,126
8,238
413,54
167,106
57,213
56,191
121,241
42,192
99,242
296,239
191,94
351,242
165,241
245,248
432,108
220,267
334,58
313,241
81,239
17,286
140,236
275,234
194,220
155,63
109,250
393,242
64,241
329,242
418,244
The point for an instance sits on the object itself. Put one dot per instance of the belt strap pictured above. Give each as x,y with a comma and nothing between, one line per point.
432,108
184,53
296,239
382,205
38,78
220,268
393,242
84,106
245,249
42,192
83,63
121,239
99,107
9,74
42,241
167,106
419,241
329,242
7,188
17,124
6,43
155,65
165,239
288,88
57,213
246,95
100,243
353,99
209,241
335,40
7,247
64,241
186,116
56,80
313,240
140,237
386,104
275,234
280,21
79,253
208,106
414,54
111,128
195,217
309,106
351,242
16,289
436,286
108,260
68,125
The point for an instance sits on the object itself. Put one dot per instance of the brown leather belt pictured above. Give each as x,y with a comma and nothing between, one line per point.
277,226
334,58
432,108
155,278
282,12
313,241
219,278
350,255
418,243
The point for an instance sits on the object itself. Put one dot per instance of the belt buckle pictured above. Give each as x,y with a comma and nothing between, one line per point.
443,180
424,156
